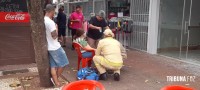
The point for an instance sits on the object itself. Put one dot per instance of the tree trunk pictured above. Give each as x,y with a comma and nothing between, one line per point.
38,33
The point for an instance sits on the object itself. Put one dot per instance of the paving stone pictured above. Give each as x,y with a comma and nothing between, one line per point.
5,84
33,69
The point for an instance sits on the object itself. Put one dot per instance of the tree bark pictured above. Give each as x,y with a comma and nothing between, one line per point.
38,33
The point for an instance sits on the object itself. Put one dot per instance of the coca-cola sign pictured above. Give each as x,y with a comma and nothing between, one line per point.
14,17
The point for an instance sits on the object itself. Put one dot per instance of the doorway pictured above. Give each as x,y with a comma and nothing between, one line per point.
179,33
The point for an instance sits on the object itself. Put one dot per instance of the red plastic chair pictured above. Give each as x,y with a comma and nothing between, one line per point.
85,61
176,87
84,85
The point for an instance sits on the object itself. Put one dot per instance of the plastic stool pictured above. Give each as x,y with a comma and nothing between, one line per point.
84,85
176,87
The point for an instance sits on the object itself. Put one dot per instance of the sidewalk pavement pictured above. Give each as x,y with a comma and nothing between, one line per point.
141,71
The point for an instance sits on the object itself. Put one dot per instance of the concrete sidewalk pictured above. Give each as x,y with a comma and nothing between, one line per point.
141,71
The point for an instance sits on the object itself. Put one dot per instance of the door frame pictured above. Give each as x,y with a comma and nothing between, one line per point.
185,30
153,27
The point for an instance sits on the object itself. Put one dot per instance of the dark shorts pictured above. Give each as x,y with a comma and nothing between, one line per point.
61,32
58,58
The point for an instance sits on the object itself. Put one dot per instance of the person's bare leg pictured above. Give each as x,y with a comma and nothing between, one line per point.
54,76
96,43
59,71
91,42
64,40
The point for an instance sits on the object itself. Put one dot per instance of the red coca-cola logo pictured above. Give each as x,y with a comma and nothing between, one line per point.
15,17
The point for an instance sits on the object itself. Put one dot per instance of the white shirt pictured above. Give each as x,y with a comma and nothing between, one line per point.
50,26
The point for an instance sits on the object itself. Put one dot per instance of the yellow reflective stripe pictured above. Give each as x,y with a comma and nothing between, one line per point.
110,63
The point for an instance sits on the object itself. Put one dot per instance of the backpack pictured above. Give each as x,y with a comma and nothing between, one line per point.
87,73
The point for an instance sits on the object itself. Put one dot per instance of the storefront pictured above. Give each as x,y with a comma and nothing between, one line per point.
179,31
15,45
167,27
118,8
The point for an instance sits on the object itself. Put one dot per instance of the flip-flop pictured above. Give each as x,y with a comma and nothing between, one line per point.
53,82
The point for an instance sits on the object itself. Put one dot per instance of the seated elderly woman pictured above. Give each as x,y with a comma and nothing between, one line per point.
109,55
80,38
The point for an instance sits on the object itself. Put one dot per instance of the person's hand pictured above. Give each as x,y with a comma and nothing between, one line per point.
56,28
78,20
99,28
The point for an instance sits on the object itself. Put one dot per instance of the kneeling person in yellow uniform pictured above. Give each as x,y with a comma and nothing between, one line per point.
109,55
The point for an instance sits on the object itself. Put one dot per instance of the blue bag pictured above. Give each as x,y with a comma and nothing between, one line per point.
87,73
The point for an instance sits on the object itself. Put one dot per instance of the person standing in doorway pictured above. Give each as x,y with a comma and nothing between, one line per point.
57,56
76,19
97,24
61,22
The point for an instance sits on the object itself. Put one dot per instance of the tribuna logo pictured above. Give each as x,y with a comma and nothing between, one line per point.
15,16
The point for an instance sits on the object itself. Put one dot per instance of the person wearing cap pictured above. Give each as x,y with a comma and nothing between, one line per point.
109,55
97,24
76,19
57,57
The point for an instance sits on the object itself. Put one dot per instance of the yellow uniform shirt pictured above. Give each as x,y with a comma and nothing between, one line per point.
111,50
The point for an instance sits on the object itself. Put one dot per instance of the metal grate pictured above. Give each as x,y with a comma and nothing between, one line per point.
140,15
99,5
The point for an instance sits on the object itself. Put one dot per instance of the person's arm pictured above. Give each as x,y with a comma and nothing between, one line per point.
57,28
82,21
123,52
87,47
54,34
107,27
84,44
99,47
53,29
94,27
73,19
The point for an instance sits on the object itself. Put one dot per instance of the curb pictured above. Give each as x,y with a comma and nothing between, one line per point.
16,71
